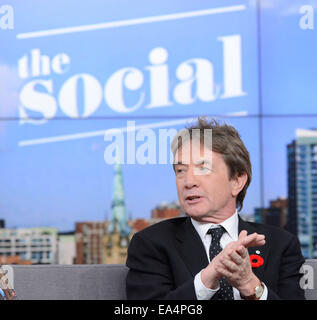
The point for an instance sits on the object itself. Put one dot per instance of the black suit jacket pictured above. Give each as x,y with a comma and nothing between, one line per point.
165,257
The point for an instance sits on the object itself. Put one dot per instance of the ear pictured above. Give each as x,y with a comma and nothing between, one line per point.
238,182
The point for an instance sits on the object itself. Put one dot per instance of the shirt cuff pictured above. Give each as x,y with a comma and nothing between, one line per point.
203,293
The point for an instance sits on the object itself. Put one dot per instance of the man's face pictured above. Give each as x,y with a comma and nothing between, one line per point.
204,190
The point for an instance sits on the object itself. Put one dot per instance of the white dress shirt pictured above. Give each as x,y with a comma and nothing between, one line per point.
231,234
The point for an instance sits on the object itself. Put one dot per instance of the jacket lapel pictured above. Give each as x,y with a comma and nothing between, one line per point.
191,248
261,251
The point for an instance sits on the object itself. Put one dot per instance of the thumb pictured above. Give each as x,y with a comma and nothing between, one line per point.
242,234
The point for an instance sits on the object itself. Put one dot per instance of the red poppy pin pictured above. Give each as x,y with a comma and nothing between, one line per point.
256,260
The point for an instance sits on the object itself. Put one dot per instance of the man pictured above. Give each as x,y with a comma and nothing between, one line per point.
213,253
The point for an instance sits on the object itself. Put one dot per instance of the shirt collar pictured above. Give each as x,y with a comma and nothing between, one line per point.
230,224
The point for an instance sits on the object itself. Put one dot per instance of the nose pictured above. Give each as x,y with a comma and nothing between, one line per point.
191,180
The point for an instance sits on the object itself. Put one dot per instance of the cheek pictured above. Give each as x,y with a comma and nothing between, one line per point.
179,188
217,190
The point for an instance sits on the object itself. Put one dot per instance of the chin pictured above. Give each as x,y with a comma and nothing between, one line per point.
195,212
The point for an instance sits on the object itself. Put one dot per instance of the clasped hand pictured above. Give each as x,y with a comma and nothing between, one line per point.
234,264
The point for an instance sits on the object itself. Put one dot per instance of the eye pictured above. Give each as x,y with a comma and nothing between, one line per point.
179,170
204,168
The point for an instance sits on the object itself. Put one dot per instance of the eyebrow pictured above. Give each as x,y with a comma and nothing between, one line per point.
196,163
180,163
203,161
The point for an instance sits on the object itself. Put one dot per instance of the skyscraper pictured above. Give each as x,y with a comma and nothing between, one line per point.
90,242
274,215
302,190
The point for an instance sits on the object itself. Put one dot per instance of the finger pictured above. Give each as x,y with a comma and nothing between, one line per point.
259,241
236,256
242,251
252,240
260,237
245,241
224,272
242,234
230,265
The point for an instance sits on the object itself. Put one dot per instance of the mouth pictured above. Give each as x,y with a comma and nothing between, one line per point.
193,199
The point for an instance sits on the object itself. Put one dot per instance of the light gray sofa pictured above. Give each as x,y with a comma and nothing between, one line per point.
97,282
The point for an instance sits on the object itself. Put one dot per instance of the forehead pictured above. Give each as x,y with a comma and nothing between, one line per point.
194,151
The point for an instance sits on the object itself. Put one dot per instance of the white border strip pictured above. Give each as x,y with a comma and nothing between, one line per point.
130,22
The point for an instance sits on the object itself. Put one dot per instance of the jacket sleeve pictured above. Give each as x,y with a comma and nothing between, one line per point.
149,276
288,286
